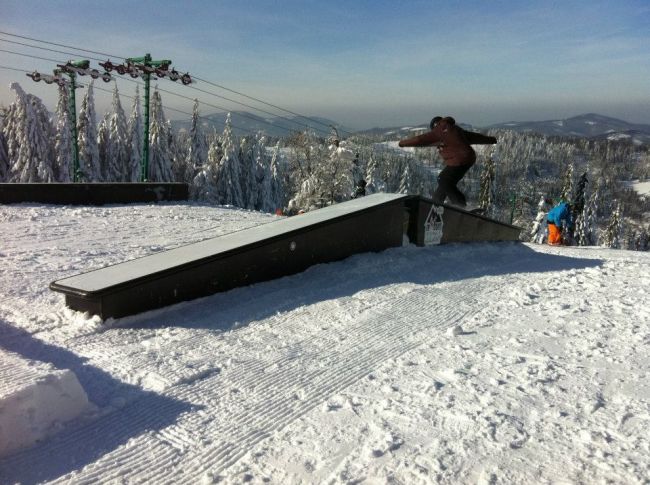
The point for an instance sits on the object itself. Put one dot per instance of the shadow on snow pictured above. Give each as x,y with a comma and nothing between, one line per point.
138,411
424,266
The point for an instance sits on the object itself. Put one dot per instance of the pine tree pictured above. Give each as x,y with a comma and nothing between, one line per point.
586,223
487,196
205,184
103,142
264,177
614,229
405,180
197,151
117,152
28,134
229,177
63,146
135,128
374,181
567,184
578,201
539,232
89,164
277,185
248,181
160,166
4,156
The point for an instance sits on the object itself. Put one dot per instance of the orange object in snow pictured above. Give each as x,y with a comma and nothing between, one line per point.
554,235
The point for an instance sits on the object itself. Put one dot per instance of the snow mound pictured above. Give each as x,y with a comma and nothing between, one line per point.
35,400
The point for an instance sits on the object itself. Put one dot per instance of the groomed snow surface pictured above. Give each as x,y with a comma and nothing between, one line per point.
468,363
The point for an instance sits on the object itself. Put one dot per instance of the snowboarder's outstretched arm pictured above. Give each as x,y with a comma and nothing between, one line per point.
427,139
479,139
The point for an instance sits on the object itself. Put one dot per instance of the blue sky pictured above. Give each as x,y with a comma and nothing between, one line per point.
364,63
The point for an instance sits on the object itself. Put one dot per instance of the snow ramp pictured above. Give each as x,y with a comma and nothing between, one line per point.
279,248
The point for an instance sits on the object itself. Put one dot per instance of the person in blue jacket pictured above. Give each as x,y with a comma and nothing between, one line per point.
558,218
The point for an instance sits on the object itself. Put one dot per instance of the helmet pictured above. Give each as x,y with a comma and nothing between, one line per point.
435,121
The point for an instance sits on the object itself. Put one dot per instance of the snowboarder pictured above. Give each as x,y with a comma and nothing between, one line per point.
454,145
557,217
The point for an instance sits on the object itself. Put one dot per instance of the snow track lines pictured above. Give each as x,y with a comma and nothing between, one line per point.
247,402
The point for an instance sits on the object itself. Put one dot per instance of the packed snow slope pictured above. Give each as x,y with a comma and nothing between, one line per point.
476,363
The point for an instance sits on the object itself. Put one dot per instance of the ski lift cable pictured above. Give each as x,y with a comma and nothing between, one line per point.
191,87
170,92
246,130
167,108
264,102
225,109
253,107
160,89
195,77
14,69
60,45
46,49
29,55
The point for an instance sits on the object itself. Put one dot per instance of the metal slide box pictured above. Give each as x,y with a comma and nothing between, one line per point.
261,253
458,225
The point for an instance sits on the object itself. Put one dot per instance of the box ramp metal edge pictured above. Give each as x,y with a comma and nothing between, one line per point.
260,253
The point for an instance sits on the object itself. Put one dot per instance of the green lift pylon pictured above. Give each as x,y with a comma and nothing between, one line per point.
149,67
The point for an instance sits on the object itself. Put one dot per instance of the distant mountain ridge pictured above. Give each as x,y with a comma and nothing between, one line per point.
590,125
245,123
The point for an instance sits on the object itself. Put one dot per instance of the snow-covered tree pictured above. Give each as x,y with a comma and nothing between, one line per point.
4,156
28,134
197,150
89,164
614,231
567,184
248,164
374,181
539,232
135,135
406,179
228,180
264,177
103,142
205,184
63,142
160,164
277,185
117,149
339,173
586,226
487,195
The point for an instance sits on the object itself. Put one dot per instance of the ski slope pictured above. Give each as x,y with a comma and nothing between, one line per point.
476,363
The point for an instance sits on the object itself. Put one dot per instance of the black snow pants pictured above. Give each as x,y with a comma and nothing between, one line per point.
447,180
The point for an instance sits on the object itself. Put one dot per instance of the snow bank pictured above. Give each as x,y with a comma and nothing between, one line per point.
35,399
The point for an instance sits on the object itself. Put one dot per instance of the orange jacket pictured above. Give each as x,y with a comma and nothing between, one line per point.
454,143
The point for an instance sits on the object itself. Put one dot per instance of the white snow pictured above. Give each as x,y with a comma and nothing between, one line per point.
35,399
640,187
468,363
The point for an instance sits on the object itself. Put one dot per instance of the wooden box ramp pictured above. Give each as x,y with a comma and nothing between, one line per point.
279,248
96,193
430,224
